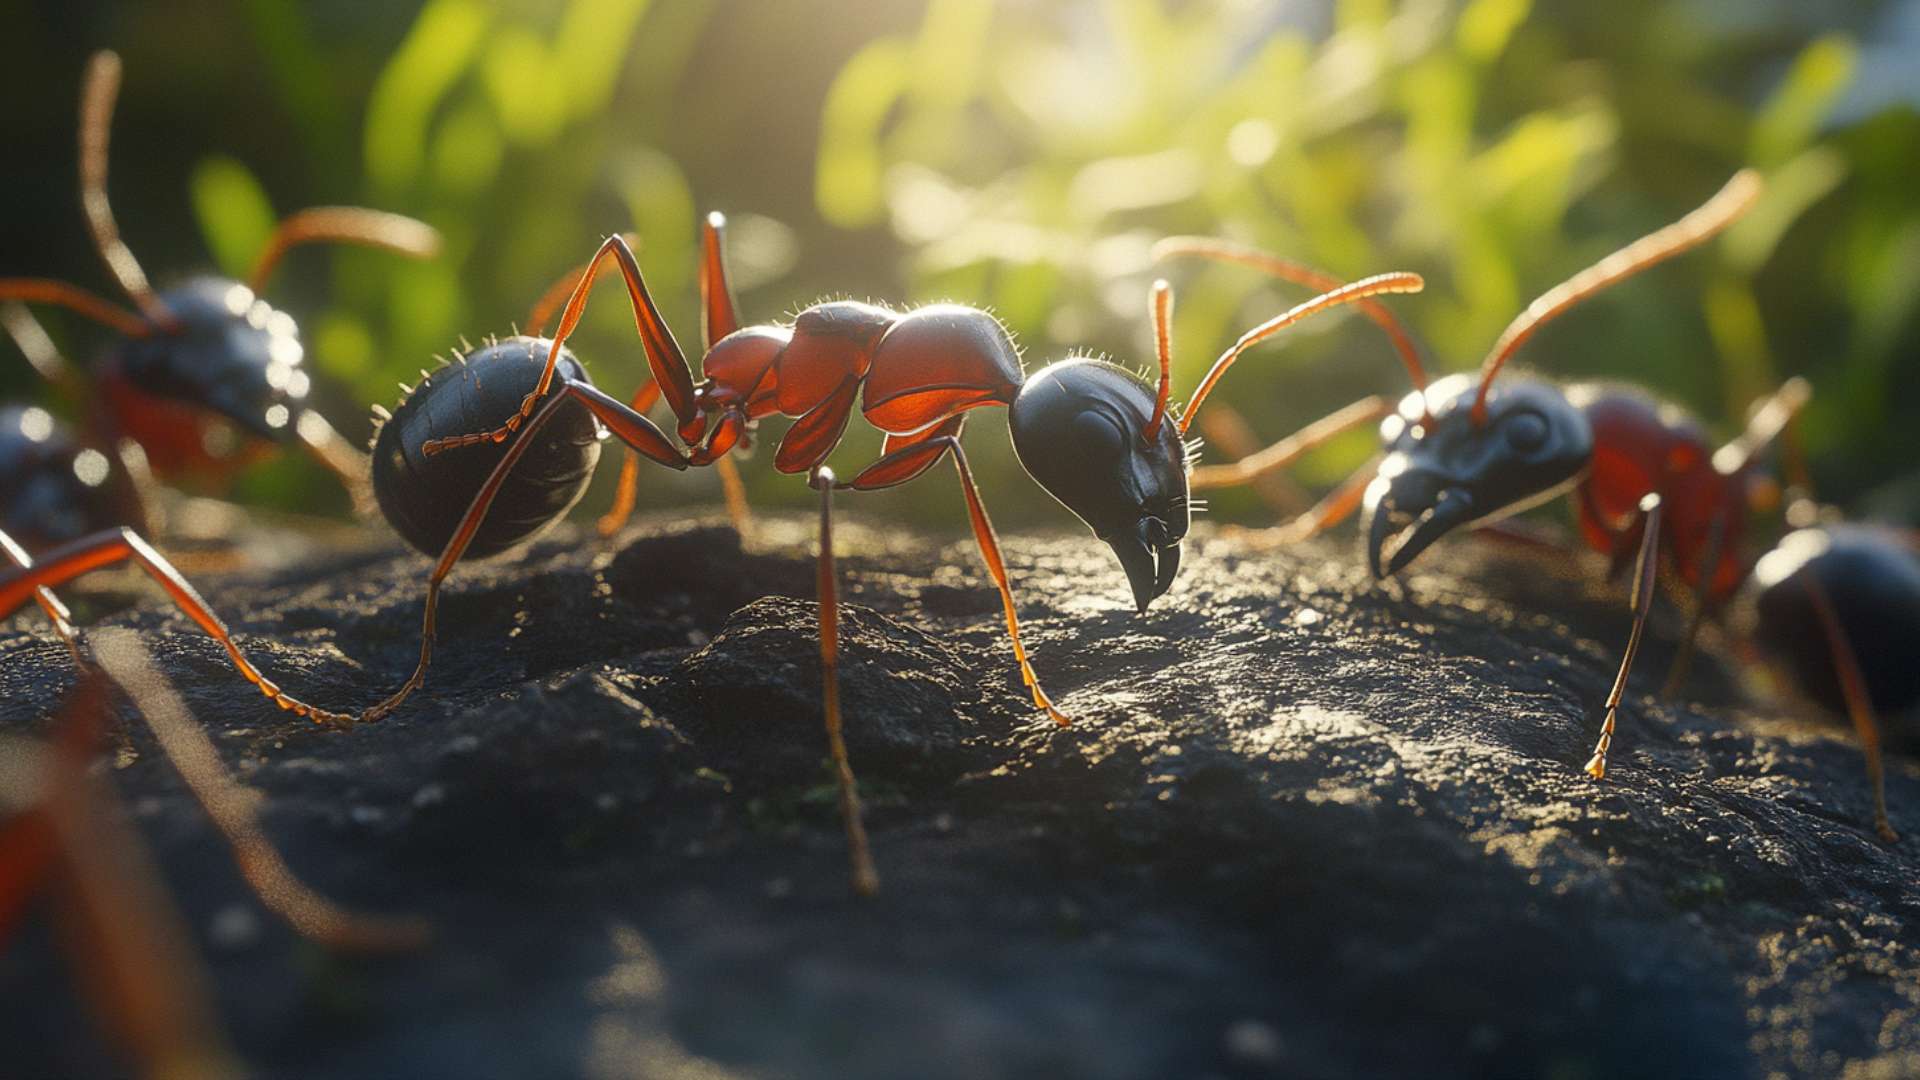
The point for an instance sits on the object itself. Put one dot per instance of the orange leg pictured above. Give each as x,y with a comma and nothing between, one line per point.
57,613
1224,429
1859,703
1644,575
626,493
115,546
1290,449
1338,505
669,364
632,428
866,880
76,299
917,457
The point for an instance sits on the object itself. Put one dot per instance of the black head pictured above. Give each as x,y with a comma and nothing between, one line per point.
1446,471
1077,428
229,351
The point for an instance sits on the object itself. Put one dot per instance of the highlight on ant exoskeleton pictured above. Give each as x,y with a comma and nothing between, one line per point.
203,377
1650,491
1102,441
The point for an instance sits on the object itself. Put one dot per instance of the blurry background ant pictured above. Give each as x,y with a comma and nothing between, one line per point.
204,378
68,848
1650,491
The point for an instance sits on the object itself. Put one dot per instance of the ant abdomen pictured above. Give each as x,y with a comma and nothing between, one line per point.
54,488
423,497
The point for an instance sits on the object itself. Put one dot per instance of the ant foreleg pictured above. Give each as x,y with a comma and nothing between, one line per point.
1853,685
1338,505
1288,450
1645,574
630,427
866,880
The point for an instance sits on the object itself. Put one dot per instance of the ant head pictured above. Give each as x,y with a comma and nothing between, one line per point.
1079,428
1444,469
224,349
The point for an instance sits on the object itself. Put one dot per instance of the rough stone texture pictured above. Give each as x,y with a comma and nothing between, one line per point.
1305,826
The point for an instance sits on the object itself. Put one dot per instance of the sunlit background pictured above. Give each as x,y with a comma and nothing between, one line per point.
1023,156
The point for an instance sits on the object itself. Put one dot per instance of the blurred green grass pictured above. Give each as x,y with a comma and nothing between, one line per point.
1022,157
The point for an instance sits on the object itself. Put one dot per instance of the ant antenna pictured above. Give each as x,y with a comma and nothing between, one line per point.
1399,282
1714,215
1163,345
97,97
1203,247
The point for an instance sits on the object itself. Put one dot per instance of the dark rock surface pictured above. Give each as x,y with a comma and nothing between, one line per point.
1305,826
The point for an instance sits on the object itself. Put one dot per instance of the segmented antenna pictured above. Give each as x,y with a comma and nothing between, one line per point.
1714,215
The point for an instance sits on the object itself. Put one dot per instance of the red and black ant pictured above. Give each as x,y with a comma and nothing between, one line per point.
193,362
1095,436
1861,586
1098,438
1649,488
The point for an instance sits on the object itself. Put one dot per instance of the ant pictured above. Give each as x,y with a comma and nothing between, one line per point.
1097,437
193,362
1861,586
1647,485
64,836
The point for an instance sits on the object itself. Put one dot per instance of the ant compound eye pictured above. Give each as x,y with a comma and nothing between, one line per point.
1526,432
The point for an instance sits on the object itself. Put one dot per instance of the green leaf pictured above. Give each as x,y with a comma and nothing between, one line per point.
435,53
234,213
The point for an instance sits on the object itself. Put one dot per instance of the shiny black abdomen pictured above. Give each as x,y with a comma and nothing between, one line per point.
231,352
424,497
53,488
1873,581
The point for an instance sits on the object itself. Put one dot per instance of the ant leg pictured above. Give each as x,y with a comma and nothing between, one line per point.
866,880
1859,703
557,293
1225,429
627,491
1644,575
114,546
338,456
918,455
231,809
97,97
1703,603
57,612
669,364
1336,507
345,225
632,428
720,316
1290,449
130,948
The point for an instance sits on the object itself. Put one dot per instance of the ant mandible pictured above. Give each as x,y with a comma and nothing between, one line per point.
206,351
1096,437
1646,483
